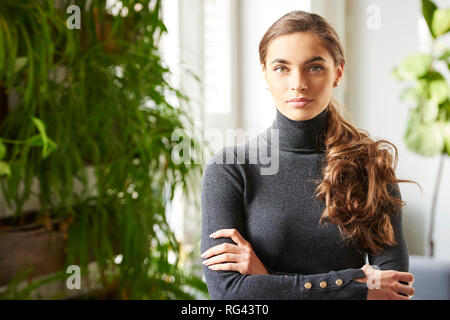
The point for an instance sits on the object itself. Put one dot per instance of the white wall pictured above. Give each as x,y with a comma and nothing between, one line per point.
374,104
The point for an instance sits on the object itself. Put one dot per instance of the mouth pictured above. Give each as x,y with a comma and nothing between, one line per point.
300,99
299,102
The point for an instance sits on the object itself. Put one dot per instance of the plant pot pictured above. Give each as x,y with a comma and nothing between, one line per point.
32,244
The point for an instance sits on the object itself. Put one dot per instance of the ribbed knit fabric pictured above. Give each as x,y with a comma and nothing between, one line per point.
279,215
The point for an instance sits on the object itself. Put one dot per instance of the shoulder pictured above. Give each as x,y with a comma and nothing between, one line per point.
222,174
236,156
237,159
224,162
224,155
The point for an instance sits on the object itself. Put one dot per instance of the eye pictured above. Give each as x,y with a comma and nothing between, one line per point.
316,68
276,69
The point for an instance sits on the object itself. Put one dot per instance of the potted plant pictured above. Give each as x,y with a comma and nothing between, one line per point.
428,129
93,105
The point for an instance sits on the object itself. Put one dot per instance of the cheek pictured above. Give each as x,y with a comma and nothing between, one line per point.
281,85
323,85
278,87
324,80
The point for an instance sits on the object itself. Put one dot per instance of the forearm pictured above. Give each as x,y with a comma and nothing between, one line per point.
230,285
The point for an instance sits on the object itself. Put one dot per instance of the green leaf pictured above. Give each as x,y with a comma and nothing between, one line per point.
433,86
445,107
425,139
439,90
446,133
51,146
423,88
41,128
411,94
2,150
446,58
35,141
47,144
430,110
428,9
39,125
432,75
441,22
4,169
445,55
20,63
413,67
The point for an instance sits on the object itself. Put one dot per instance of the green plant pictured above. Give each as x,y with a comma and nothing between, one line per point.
100,97
17,290
40,139
428,129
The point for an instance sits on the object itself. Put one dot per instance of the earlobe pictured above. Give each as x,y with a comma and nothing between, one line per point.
340,70
340,73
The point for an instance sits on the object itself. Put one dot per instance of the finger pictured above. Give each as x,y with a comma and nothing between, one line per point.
400,297
225,267
409,291
220,248
405,276
231,233
225,257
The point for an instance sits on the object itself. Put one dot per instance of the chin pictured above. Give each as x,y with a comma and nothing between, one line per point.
298,114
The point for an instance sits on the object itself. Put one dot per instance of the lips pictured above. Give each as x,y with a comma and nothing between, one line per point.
300,100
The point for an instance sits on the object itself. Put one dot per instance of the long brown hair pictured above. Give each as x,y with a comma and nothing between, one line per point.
359,186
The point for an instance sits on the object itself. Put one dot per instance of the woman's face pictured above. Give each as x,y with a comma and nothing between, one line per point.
299,66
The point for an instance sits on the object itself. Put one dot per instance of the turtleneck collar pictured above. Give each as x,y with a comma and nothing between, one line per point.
301,136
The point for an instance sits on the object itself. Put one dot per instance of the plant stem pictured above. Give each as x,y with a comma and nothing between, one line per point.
433,204
13,141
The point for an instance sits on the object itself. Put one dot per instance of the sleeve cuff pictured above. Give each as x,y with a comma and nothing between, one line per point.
335,285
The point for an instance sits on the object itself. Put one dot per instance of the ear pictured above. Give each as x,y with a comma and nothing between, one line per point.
263,69
339,73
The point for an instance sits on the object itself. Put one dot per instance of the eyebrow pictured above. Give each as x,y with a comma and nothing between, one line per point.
317,58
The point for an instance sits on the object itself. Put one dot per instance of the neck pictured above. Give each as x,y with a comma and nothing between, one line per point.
301,136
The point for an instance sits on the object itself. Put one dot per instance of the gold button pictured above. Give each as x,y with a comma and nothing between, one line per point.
308,285
323,284
339,282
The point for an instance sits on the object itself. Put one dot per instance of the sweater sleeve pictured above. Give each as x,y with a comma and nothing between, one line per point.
222,207
394,257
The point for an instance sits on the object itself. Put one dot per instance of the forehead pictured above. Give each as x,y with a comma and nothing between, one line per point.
297,47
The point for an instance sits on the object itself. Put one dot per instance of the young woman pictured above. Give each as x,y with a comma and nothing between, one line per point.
304,232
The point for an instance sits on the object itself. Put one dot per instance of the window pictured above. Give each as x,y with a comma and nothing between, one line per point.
217,56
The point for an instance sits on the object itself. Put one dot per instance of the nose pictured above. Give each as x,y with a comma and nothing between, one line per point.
298,82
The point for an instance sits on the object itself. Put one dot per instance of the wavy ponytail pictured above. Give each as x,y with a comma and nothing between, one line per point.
359,185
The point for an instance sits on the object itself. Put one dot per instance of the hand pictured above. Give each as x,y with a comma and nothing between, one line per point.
227,256
385,285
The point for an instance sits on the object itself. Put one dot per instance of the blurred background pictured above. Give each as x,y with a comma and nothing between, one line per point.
99,101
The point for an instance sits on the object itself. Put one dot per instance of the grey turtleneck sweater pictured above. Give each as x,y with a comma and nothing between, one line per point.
276,211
